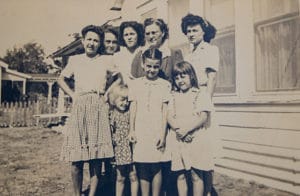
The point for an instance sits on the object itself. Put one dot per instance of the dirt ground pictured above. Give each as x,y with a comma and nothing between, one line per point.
29,165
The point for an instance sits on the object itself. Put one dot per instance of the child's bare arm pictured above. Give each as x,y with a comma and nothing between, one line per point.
132,110
162,140
192,126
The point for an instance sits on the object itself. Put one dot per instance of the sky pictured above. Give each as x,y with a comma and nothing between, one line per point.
48,22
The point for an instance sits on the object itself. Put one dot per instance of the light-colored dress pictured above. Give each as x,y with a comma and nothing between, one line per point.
206,56
88,133
119,122
149,96
185,108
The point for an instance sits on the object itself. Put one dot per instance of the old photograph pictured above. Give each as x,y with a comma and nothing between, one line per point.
150,97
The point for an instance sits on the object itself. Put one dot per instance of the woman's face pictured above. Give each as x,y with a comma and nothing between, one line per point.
110,43
130,37
91,43
194,34
153,35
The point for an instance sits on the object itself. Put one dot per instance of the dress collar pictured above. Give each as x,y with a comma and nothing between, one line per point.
202,45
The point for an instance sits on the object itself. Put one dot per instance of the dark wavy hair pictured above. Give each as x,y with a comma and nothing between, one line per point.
152,53
184,67
110,29
97,30
139,29
192,20
162,25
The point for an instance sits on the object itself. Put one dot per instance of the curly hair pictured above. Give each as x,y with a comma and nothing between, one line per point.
161,24
138,27
97,30
192,20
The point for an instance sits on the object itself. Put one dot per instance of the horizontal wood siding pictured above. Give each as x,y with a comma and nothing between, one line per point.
260,144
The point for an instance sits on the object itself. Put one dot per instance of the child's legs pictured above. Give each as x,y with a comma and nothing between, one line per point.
208,182
121,175
197,180
182,183
134,183
149,174
156,183
95,173
77,176
166,187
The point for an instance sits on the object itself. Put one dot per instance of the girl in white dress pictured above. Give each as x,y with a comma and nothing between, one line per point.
149,97
188,116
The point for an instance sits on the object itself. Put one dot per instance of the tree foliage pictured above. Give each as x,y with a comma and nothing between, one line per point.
27,59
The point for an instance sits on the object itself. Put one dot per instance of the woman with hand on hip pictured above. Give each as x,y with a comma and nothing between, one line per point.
88,136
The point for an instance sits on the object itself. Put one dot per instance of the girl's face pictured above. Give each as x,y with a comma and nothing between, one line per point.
153,35
183,82
110,43
130,37
151,67
121,103
194,34
91,43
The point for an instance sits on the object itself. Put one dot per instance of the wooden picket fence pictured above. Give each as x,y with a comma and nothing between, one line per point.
21,114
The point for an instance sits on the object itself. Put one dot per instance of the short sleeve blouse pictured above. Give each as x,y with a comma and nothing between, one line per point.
89,73
205,56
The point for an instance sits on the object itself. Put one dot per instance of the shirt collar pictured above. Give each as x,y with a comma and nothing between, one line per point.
165,50
202,45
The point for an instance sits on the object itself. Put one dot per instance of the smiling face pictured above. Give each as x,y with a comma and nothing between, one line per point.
151,67
130,37
110,43
183,82
194,34
91,43
153,35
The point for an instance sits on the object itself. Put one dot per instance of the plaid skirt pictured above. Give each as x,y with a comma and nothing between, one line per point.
87,131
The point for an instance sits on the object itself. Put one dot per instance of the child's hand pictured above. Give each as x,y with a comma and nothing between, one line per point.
181,133
161,144
188,138
132,137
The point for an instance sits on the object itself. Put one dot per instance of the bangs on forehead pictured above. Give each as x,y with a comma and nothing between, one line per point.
181,68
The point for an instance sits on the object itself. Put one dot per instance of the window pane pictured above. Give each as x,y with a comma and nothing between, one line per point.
277,42
221,14
226,75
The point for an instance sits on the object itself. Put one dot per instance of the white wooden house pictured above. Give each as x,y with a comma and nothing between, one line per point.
7,74
258,90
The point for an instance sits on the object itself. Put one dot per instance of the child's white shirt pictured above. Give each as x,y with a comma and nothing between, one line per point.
149,96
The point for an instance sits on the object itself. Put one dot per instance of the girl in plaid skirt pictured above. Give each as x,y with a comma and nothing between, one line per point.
88,136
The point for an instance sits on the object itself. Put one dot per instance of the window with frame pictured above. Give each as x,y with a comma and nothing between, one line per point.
220,13
277,45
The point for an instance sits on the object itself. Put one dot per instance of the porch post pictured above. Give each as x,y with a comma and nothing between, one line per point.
60,101
49,92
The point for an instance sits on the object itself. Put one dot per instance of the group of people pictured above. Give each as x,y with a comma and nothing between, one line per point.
146,107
